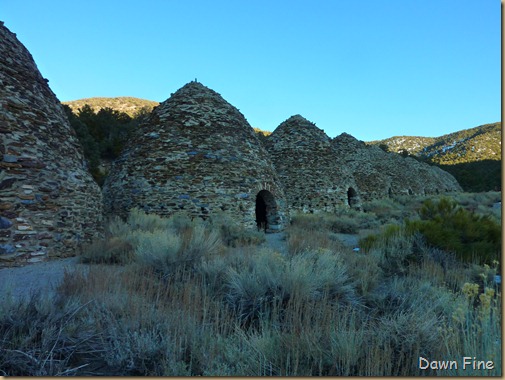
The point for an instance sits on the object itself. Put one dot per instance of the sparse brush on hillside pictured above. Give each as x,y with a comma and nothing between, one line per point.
472,156
126,104
102,134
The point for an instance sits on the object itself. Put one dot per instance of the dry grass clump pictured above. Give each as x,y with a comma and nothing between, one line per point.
344,220
312,232
111,251
234,235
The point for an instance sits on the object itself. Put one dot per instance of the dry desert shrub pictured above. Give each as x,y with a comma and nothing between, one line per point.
114,250
271,280
234,235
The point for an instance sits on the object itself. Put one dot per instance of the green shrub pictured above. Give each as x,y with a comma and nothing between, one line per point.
445,225
449,227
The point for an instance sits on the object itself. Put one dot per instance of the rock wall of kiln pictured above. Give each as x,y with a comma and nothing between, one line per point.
49,203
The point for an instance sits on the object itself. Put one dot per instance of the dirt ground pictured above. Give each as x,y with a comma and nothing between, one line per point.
20,282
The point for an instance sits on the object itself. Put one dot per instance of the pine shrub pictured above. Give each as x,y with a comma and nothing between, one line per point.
445,225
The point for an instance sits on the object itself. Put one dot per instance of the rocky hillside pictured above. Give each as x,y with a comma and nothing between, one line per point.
129,105
468,145
472,155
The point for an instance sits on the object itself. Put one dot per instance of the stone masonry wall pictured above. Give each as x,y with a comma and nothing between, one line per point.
195,155
306,163
49,203
379,174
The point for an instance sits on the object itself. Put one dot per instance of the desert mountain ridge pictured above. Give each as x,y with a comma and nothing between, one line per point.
479,143
472,155
127,104
467,145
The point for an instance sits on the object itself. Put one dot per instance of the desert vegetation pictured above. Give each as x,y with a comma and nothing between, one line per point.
179,297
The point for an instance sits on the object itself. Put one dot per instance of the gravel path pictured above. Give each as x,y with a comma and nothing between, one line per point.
276,241
20,282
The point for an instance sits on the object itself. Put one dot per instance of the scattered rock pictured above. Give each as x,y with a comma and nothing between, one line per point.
5,223
7,249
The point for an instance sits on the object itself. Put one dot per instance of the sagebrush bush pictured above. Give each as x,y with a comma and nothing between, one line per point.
202,241
111,251
160,251
365,271
116,227
234,235
272,280
139,220
237,236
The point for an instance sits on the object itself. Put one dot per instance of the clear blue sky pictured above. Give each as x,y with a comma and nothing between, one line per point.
374,69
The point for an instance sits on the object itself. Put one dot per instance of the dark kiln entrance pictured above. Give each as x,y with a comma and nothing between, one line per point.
353,199
266,211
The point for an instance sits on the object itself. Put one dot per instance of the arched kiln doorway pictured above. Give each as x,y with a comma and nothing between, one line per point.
352,198
267,218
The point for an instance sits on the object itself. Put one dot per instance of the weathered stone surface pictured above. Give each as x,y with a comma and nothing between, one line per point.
40,154
313,178
196,155
7,249
379,174
5,223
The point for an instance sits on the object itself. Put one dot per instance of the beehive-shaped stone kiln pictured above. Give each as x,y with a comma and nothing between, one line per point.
197,155
306,163
49,202
379,174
